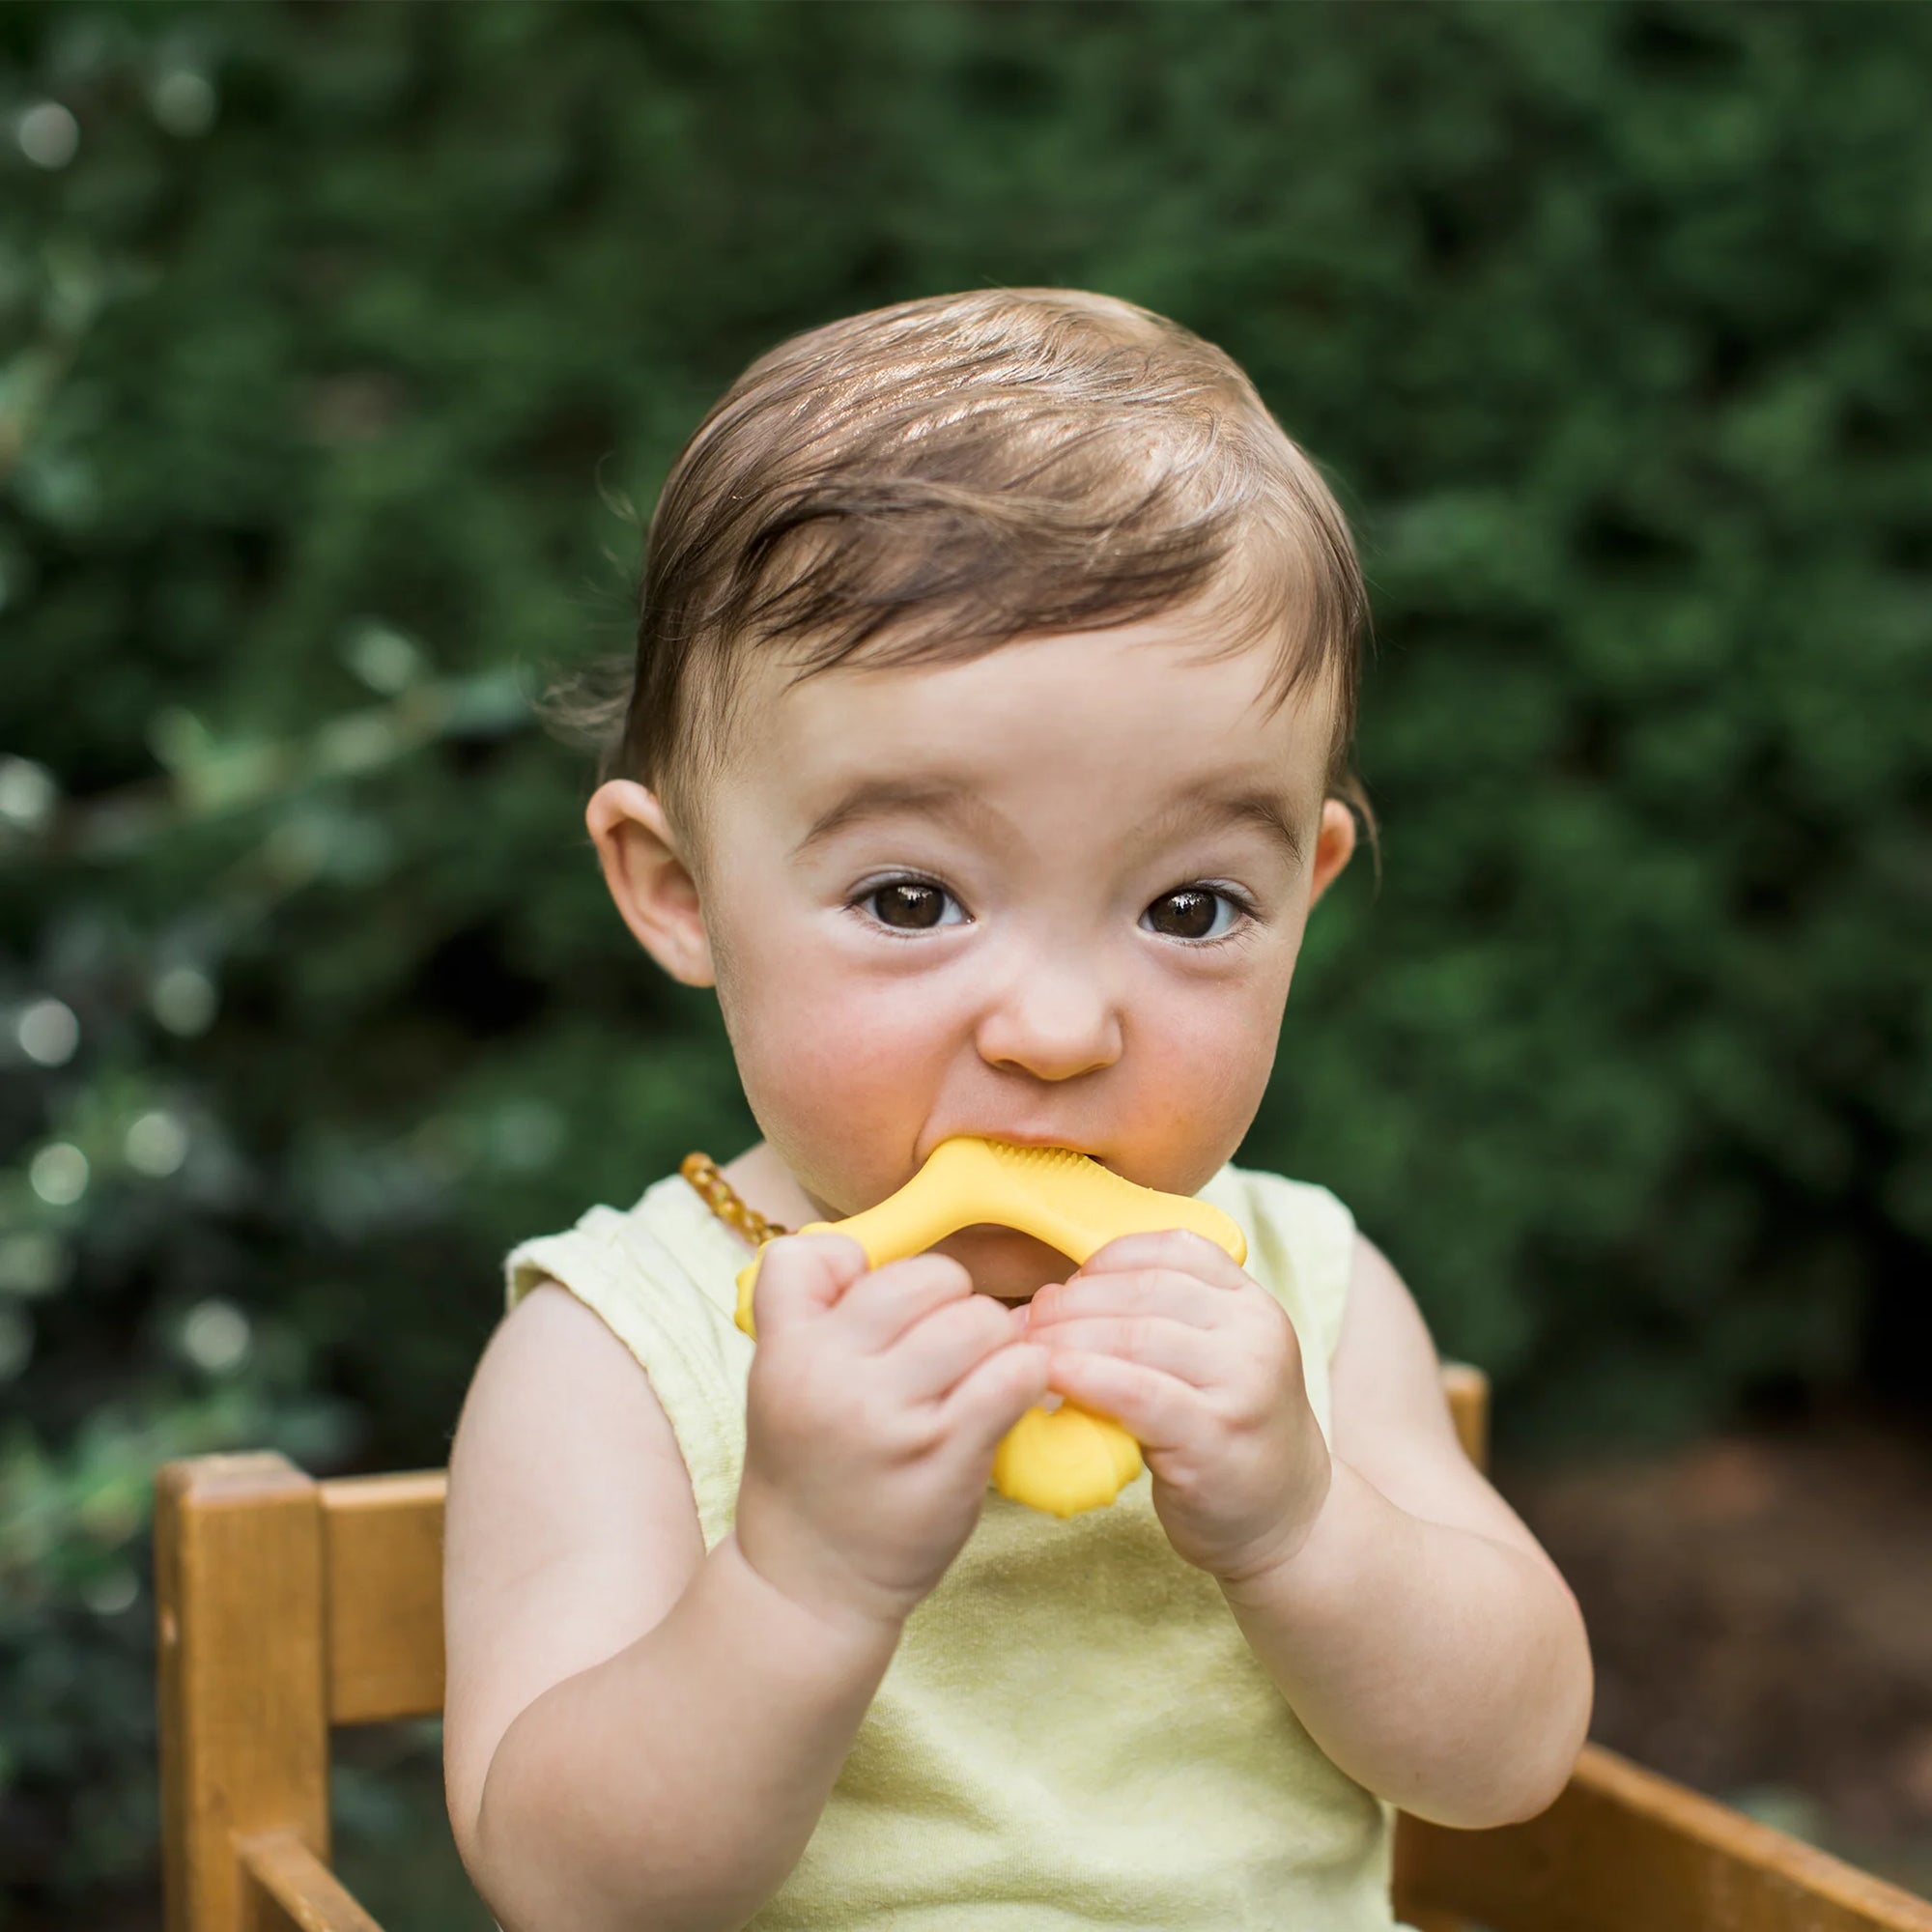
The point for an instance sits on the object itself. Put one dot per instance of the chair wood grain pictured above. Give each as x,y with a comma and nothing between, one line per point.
288,1888
383,1546
1624,1850
240,1668
1468,1391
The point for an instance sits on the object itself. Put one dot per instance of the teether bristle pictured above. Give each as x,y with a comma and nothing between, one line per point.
1077,1205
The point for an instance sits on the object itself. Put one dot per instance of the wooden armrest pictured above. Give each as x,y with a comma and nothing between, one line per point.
289,1889
1626,1848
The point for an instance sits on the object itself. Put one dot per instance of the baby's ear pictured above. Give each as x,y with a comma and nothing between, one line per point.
649,880
1334,844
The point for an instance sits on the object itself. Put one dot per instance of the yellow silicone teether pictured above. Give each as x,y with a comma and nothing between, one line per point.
1064,1460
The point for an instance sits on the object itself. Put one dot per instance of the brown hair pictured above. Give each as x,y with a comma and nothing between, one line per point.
930,481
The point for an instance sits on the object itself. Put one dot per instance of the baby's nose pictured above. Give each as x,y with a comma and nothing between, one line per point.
1053,1024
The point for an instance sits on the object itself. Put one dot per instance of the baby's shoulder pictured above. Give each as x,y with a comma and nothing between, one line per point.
552,1342
663,1266
555,1392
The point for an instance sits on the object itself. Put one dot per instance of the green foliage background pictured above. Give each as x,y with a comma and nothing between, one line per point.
326,360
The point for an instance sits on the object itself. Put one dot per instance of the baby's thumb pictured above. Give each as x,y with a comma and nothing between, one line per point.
801,1276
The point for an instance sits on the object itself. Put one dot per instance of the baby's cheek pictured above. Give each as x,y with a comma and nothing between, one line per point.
858,1051
1210,1070
840,1082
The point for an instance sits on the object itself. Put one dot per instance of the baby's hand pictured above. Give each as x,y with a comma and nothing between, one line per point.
875,1401
1201,1362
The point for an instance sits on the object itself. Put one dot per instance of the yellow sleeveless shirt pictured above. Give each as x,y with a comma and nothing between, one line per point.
1073,1733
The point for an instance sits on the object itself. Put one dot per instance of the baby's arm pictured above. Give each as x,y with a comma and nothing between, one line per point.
635,1732
1420,1632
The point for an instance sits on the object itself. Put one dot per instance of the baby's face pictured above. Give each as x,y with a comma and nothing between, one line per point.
1055,894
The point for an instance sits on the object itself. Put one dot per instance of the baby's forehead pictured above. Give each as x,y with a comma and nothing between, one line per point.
1142,711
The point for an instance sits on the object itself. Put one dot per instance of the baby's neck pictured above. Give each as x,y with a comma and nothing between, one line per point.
763,1181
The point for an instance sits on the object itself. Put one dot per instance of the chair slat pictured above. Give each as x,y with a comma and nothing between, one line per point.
1468,1391
244,1712
1624,1850
382,1535
292,1891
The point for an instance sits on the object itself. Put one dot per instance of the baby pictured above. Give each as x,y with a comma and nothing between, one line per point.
988,749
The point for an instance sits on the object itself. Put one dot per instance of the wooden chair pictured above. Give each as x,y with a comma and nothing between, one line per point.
289,1605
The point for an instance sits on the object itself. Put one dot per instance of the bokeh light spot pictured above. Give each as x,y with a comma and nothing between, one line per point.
33,1261
58,1174
215,1336
50,136
27,793
47,1031
183,1000
157,1144
184,103
109,1594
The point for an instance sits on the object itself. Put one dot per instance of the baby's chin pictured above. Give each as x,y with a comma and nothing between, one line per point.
1003,1262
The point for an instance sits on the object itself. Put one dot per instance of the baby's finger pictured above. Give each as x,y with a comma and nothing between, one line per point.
936,1352
801,1276
1151,1292
1193,1355
992,1396
1178,1248
1157,1410
875,1312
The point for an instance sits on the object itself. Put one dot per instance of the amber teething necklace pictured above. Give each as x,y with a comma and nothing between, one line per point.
718,1194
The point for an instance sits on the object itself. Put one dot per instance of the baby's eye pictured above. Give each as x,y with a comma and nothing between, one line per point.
908,905
1191,912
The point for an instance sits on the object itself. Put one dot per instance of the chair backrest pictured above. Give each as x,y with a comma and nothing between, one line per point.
288,1606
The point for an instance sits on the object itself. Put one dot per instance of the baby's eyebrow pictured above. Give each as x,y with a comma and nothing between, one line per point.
946,798
1253,805
875,797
